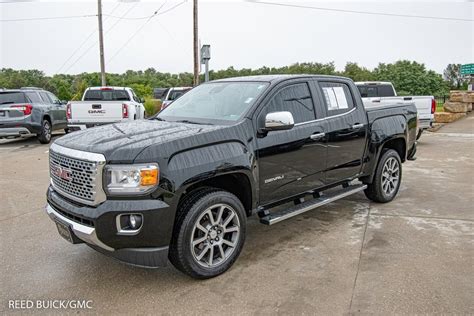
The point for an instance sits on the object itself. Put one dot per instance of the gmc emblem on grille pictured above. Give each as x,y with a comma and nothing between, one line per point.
63,173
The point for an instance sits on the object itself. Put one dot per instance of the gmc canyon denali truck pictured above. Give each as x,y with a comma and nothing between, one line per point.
181,185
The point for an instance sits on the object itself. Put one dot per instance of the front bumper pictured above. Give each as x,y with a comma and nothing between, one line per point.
96,226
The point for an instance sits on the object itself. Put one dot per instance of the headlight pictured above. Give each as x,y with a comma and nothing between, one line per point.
131,179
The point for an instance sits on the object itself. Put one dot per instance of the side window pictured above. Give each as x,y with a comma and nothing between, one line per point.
296,99
34,97
134,96
53,97
45,97
338,97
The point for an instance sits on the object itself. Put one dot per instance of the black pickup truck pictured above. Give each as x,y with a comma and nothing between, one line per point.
181,185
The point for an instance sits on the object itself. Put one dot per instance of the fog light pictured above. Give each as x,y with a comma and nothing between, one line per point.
129,224
135,221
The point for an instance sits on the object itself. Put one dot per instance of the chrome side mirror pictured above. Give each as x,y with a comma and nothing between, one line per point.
279,121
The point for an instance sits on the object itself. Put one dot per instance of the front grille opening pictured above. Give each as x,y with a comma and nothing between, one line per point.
82,176
75,218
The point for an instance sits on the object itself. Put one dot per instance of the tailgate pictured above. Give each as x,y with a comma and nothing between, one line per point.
95,112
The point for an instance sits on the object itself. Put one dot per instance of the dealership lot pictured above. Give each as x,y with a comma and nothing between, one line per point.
413,255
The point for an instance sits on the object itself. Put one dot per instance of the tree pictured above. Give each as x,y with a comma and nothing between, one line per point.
411,78
357,73
452,74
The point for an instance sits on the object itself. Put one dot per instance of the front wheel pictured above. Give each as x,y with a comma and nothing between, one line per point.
209,233
44,137
387,179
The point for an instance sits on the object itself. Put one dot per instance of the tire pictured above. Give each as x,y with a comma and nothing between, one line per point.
419,134
210,240
44,136
387,179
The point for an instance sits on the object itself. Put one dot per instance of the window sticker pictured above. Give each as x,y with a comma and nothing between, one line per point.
335,98
340,97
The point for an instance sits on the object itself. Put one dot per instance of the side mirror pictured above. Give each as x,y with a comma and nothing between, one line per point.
63,102
279,121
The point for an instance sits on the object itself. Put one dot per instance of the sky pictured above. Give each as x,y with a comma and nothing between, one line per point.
242,34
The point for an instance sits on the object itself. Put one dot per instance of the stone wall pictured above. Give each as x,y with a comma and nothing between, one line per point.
460,102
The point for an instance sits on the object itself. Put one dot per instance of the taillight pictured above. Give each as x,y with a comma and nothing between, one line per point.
68,111
433,106
25,108
124,111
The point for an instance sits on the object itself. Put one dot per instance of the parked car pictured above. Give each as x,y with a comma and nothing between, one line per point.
172,94
182,184
31,111
104,105
376,93
158,93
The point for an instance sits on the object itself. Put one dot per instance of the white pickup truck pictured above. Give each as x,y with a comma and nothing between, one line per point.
379,92
104,105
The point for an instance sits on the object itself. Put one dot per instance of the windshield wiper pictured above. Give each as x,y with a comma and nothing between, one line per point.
7,102
192,122
158,119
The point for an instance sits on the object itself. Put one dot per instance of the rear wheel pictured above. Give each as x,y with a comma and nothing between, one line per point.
209,233
387,179
419,134
44,136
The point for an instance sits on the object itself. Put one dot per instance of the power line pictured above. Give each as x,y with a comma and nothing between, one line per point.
359,12
156,13
51,18
85,41
95,43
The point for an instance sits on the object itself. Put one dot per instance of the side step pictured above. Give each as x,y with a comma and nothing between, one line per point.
324,199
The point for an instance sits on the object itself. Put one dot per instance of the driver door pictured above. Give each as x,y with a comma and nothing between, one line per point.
291,161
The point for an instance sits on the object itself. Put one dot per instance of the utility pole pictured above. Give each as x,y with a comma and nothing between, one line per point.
101,44
195,42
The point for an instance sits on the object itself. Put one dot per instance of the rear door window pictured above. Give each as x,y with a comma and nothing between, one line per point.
45,97
12,98
106,95
34,97
385,90
338,97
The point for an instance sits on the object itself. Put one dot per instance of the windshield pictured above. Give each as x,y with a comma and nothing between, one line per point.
226,101
106,95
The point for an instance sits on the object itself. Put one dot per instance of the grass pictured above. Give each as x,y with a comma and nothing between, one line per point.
439,107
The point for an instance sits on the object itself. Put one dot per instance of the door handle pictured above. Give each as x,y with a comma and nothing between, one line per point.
357,126
317,136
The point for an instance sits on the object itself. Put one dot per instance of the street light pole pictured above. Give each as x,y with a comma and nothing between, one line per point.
101,44
195,43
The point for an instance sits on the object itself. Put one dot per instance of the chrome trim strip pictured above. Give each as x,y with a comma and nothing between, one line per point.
83,232
77,154
325,118
100,195
121,231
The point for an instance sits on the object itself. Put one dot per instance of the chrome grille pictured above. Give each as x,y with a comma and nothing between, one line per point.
76,174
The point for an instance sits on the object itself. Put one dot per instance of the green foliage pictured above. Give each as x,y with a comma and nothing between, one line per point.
152,106
452,74
409,78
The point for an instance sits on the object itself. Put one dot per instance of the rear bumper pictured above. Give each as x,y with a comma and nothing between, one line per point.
425,123
15,132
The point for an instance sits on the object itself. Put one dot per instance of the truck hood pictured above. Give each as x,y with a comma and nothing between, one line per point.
122,142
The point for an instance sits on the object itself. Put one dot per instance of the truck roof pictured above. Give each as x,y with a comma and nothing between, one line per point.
372,82
275,78
108,87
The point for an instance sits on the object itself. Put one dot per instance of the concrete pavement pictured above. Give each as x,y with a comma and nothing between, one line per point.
413,255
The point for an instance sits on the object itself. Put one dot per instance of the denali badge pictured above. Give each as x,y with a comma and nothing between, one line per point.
274,179
63,173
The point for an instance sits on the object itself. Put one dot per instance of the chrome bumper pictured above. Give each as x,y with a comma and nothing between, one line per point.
15,132
83,232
